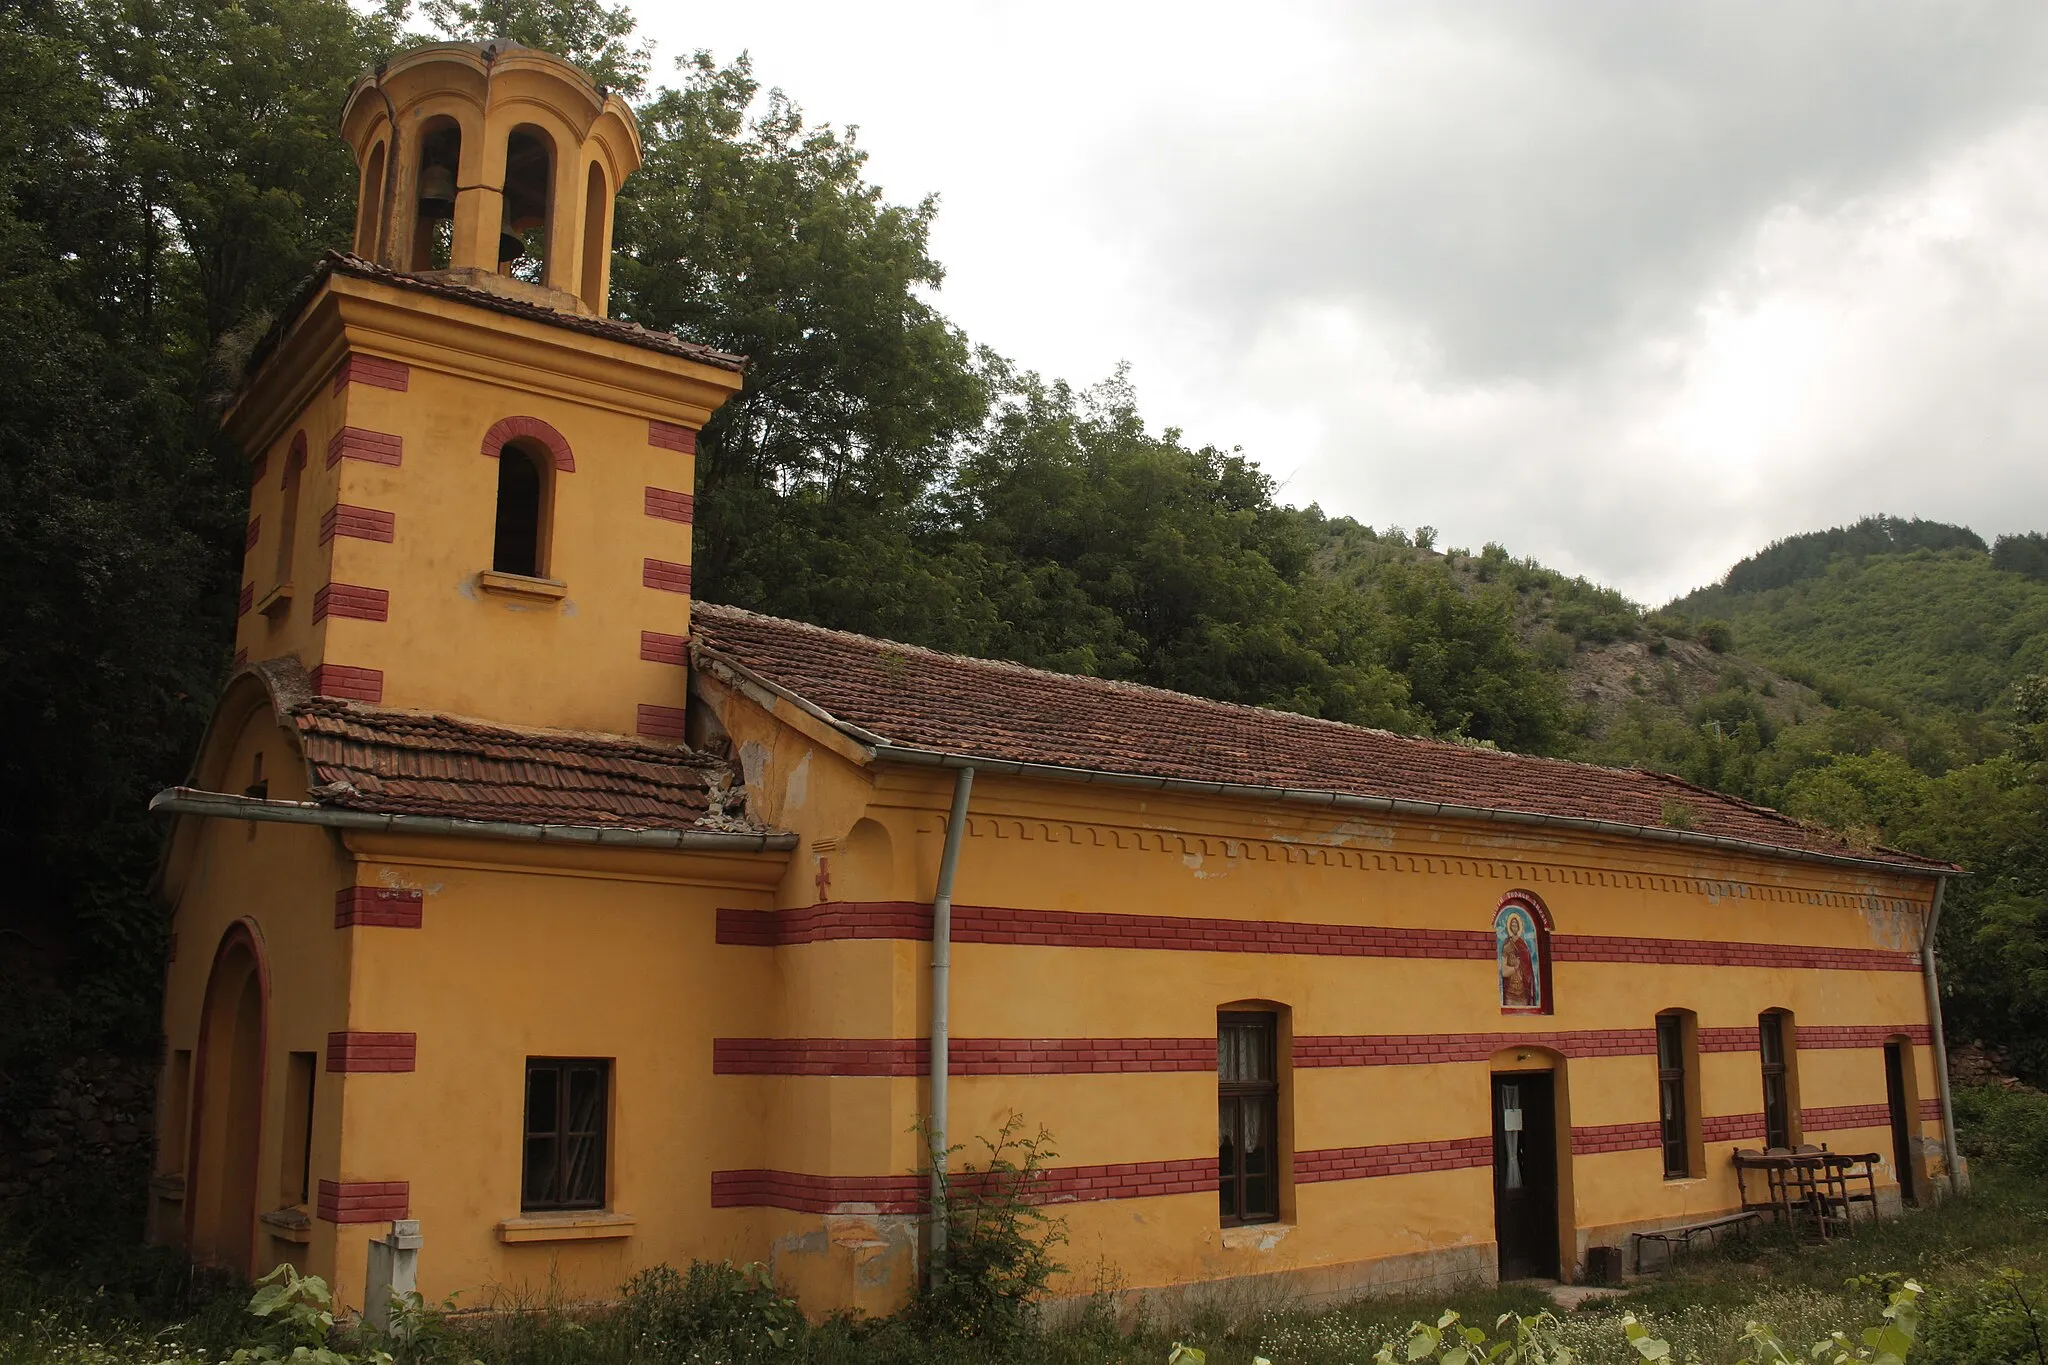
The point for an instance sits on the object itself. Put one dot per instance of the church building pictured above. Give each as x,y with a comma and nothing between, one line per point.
518,896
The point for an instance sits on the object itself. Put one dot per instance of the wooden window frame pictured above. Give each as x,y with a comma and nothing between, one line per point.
1777,1078
1239,1094
561,1133
1674,1130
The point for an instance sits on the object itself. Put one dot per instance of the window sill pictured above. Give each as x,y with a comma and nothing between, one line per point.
519,585
583,1226
1254,1236
276,602
288,1225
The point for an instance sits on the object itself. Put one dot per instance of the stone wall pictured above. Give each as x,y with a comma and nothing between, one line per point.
90,1134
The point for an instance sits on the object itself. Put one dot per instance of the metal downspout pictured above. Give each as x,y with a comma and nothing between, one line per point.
1956,1181
942,972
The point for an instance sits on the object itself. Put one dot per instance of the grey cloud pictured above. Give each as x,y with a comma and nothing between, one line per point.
1518,188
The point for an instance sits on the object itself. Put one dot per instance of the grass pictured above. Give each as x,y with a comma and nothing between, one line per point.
143,1307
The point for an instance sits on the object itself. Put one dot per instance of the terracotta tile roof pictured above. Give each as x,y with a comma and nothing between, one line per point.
415,763
613,329
987,709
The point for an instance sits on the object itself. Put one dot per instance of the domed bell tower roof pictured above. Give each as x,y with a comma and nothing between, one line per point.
494,166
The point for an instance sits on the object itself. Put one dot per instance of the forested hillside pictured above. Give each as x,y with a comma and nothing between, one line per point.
170,170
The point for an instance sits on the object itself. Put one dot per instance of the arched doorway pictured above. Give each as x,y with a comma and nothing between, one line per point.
227,1109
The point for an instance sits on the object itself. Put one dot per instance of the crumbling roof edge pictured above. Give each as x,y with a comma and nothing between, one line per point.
193,801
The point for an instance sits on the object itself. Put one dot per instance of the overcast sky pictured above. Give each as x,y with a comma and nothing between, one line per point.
1631,287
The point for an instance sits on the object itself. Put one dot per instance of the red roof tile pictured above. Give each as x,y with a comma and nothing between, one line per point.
614,329
414,763
980,708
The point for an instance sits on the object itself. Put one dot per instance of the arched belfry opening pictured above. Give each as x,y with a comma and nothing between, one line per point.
523,238
494,165
434,188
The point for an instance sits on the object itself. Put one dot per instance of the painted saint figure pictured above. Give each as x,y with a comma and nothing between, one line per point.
1515,936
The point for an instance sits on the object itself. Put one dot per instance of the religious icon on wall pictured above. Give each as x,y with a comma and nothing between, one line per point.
1520,951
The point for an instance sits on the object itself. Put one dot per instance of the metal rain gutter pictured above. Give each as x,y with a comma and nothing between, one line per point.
942,1007
1956,1181
222,805
891,752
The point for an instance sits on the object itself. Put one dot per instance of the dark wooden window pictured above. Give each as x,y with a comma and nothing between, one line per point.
1671,1087
1248,1117
1777,1088
567,1102
521,487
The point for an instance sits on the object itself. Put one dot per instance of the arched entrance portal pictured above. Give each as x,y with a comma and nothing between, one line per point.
227,1109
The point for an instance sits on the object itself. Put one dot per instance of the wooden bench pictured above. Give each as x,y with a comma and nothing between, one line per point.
1679,1239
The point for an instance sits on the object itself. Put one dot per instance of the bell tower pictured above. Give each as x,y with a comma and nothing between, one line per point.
472,491
493,163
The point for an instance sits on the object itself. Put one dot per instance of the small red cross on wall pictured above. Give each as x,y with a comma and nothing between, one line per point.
824,878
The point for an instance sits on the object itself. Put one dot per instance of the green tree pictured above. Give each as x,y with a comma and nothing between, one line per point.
756,232
169,168
602,39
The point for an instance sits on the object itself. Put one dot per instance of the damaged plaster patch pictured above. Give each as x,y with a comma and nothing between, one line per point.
1359,832
392,879
879,1246
1892,924
1255,1236
798,789
754,759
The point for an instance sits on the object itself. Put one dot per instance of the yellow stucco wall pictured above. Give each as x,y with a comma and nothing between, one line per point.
567,656
534,952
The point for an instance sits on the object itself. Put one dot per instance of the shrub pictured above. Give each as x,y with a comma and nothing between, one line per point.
2003,1129
1717,635
999,1241
710,1312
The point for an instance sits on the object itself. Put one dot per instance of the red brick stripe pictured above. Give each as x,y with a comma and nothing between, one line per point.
386,907
657,648
1398,1158
661,722
354,443
1418,1049
1074,929
663,574
241,657
671,506
1128,1180
1742,1038
1930,1111
906,1193
351,600
1731,1127
1845,1116
259,467
246,602
509,429
252,534
373,370
364,1201
1857,1035
1711,953
828,921
349,683
817,1193
669,436
359,1051
1616,1137
967,1056
359,523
